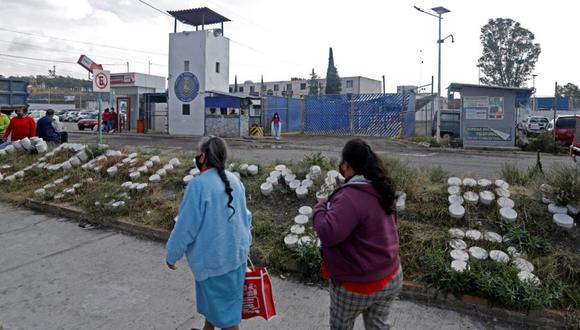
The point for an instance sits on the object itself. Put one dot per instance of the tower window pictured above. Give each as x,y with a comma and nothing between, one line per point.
185,66
217,67
185,109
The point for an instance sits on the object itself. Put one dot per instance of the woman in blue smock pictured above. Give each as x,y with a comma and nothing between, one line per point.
213,232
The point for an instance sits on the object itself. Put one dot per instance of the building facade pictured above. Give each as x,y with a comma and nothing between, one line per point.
299,87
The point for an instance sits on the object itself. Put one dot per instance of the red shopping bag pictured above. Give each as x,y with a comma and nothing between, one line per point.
258,297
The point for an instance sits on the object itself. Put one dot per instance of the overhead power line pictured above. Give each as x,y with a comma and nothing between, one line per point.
50,61
82,42
155,8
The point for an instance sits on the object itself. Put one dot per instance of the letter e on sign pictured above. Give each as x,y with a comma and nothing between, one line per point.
101,81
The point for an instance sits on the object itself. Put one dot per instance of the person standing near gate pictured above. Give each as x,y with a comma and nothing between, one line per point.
213,231
114,120
357,227
106,120
276,126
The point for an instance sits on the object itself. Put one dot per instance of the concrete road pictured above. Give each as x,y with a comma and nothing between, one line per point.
55,275
456,162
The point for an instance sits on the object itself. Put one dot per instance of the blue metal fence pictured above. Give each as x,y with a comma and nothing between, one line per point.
360,114
289,110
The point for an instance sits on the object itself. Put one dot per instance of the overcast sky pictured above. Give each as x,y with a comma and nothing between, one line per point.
283,39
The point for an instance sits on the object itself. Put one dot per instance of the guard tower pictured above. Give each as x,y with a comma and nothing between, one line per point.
199,61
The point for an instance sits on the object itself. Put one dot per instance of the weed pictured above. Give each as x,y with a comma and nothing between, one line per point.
542,143
310,258
565,180
524,241
320,160
438,175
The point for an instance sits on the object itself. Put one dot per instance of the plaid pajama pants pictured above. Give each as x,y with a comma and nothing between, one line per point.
346,306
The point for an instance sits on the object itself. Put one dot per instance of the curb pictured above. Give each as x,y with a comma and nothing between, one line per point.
467,304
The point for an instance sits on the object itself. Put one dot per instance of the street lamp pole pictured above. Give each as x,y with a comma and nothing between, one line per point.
440,11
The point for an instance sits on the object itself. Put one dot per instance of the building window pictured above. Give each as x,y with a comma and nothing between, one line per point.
185,109
302,86
241,89
276,88
224,111
349,84
186,66
288,87
217,67
252,89
231,89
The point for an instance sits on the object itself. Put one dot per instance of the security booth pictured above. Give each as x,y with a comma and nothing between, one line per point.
227,115
489,113
128,90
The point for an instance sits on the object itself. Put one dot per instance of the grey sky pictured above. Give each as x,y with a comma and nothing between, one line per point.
283,39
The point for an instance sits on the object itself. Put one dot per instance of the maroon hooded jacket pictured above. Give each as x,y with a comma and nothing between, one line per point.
359,239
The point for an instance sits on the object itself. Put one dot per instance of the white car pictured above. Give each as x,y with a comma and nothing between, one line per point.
37,114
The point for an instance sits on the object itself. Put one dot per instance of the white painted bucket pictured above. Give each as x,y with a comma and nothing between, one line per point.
455,199
291,240
82,155
555,209
546,188
471,197
275,174
459,265
143,169
174,162
126,160
141,186
454,190
161,172
306,211
499,256
320,196
563,220
486,197
523,265
492,237
133,155
243,169
134,175
573,209
459,255
289,178
301,192
477,253
501,192
458,244
401,204
253,170
508,214
40,192
301,219
75,161
513,252
126,184
305,240
112,171
456,233
454,181
2,152
17,145
187,178
307,183
10,149
528,277
474,235
168,168
280,168
19,174
41,147
316,170
297,229
155,178
469,182
294,184
155,159
69,191
505,202
484,183
148,163
272,180
77,185
26,144
502,184
456,211
194,172
266,188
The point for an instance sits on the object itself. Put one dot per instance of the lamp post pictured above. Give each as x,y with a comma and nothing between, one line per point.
534,88
440,11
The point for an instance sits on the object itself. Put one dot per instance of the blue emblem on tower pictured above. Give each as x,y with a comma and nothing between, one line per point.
186,87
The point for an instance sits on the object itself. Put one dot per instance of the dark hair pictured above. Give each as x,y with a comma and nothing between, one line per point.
364,161
276,115
50,112
216,154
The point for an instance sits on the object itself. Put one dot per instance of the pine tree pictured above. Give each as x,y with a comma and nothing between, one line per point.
313,84
333,84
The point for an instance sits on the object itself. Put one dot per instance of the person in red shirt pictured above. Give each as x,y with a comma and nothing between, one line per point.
20,126
276,126
105,120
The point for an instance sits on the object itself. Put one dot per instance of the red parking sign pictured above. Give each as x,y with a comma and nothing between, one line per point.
101,81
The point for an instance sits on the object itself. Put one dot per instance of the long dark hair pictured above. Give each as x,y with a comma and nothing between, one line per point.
216,155
364,161
276,115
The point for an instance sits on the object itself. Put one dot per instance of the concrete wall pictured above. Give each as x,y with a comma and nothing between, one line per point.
156,83
224,126
506,126
202,49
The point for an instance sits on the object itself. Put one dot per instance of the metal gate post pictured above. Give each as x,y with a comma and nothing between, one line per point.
351,114
302,114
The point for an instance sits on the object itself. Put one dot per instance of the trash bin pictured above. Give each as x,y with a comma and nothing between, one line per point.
140,126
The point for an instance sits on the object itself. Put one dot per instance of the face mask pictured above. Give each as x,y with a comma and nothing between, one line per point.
198,162
340,170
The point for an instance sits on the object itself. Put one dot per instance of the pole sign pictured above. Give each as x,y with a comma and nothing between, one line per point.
101,81
89,64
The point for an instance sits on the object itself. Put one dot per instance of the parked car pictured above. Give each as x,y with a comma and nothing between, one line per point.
535,125
91,121
450,126
61,113
575,146
37,114
566,129
83,115
71,116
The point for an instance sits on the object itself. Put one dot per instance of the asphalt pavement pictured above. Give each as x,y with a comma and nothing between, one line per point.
458,162
56,275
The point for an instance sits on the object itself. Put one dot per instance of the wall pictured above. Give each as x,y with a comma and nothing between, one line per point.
202,49
224,126
505,126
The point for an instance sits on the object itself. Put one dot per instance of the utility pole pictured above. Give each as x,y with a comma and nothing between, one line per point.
127,66
149,71
534,87
384,89
555,106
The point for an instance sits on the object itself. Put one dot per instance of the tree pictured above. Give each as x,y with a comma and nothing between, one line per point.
333,84
509,53
313,84
569,90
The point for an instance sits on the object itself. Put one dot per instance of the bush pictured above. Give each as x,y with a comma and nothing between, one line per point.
565,180
438,175
401,172
544,143
513,175
320,160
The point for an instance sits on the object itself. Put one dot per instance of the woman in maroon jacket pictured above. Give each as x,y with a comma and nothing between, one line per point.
360,245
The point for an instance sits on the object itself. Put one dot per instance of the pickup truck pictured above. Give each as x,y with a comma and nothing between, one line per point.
450,124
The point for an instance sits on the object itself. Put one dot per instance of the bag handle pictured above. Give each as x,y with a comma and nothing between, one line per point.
251,264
